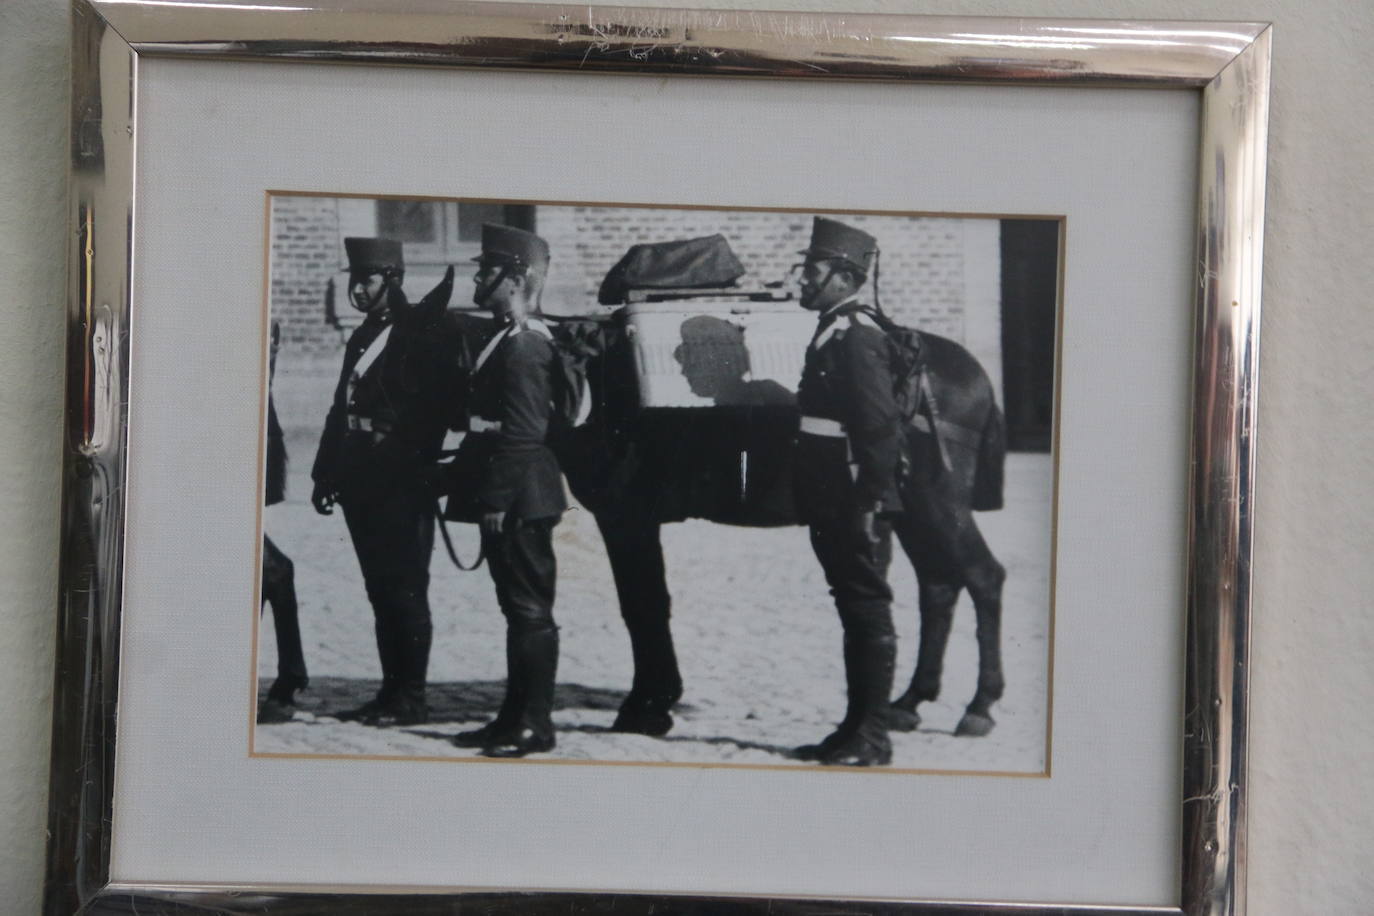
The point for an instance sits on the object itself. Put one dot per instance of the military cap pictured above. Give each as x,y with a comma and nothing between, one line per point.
832,239
513,247
370,256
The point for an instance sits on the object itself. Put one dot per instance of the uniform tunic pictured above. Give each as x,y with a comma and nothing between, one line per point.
847,380
511,402
392,416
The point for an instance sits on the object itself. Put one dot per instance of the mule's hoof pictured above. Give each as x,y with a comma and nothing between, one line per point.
901,719
643,722
973,725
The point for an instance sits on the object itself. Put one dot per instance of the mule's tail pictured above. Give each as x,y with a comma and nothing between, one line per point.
990,472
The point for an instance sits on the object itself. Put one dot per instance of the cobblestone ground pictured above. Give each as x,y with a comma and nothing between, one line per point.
758,639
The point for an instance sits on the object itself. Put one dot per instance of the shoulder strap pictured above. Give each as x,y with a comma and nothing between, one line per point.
537,325
865,316
856,314
489,349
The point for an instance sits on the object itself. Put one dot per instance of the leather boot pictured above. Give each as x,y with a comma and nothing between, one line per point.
862,738
845,730
406,707
536,673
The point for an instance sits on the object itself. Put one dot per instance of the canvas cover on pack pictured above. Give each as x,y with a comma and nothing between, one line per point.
703,263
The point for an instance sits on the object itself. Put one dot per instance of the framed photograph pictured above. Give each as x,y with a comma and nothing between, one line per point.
632,460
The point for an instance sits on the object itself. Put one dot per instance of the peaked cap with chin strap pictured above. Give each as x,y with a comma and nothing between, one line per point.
833,240
373,256
511,247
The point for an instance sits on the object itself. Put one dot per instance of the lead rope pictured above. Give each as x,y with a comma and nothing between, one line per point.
448,543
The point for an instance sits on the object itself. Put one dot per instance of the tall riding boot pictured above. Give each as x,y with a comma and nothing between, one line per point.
386,695
386,656
531,684
844,731
507,720
413,641
862,739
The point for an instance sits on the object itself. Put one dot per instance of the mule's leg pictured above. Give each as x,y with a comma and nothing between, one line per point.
984,577
937,600
942,539
636,556
962,547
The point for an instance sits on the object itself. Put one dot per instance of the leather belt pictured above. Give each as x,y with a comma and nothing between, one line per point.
483,425
367,424
821,426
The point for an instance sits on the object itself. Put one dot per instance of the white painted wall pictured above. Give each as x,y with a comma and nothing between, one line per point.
1311,836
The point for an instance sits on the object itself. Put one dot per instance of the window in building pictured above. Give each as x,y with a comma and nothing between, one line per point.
416,221
445,232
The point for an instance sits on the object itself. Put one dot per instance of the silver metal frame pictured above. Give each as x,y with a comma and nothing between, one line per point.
1227,63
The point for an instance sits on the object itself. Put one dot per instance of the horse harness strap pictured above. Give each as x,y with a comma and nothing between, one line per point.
965,436
939,428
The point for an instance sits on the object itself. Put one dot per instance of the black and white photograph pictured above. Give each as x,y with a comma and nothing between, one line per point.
594,482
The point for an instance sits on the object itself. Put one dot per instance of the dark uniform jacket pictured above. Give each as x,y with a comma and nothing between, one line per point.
388,424
847,379
504,463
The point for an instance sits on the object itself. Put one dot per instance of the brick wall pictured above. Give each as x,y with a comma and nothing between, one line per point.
938,274
305,255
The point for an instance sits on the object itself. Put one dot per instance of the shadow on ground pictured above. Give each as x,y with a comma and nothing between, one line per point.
466,702
452,701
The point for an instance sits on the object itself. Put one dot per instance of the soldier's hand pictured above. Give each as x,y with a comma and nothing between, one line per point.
866,527
322,498
493,522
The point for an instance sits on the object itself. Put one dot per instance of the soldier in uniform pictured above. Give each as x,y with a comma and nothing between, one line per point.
382,435
845,474
509,479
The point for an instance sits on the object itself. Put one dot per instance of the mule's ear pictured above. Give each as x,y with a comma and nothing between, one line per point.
439,296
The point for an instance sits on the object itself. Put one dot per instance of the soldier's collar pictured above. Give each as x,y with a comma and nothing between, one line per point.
381,317
835,310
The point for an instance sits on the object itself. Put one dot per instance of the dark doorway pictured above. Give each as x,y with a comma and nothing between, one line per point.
1030,292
